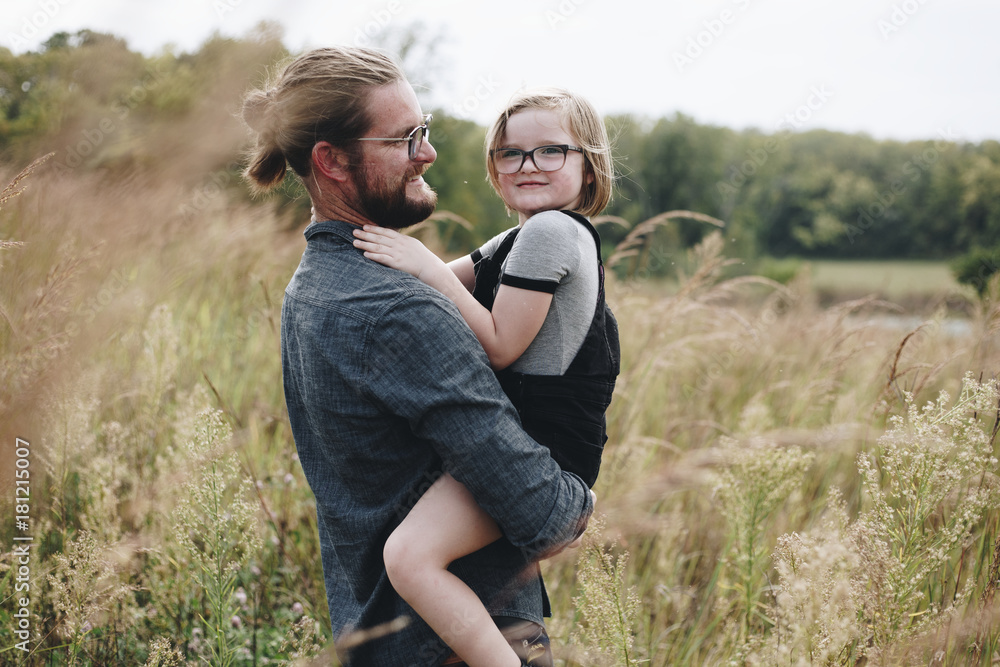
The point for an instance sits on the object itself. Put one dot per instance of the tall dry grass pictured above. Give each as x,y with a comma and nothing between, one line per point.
774,490
128,317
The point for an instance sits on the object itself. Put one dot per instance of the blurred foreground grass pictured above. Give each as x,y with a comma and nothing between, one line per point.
772,492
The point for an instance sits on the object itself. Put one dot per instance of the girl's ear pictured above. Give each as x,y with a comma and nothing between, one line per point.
331,161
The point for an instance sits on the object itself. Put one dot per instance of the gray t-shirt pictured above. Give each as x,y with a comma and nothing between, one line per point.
553,253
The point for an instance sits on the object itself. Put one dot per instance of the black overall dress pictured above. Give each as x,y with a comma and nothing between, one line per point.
566,413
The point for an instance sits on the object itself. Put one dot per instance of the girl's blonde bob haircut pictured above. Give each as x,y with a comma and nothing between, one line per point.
582,122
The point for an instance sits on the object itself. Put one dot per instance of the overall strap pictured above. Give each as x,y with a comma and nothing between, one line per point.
597,244
600,354
488,270
504,248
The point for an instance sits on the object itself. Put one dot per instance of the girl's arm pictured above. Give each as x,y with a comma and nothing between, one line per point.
504,333
464,269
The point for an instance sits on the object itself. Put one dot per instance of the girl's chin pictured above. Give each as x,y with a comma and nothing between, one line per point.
533,208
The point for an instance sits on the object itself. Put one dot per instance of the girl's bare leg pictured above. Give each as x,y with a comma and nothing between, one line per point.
444,525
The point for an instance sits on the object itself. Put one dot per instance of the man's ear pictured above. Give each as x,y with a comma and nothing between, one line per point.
331,161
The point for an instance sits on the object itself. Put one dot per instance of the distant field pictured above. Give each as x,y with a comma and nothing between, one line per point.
892,279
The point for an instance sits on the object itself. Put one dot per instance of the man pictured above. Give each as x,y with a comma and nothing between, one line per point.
385,384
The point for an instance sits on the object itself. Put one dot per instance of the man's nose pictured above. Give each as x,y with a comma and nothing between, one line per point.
426,154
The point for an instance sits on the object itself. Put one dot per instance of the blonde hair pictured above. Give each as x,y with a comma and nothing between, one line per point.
320,96
586,126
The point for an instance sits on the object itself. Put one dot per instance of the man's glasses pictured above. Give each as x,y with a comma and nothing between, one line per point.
415,137
546,158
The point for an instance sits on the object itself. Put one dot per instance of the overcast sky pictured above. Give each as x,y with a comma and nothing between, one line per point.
900,69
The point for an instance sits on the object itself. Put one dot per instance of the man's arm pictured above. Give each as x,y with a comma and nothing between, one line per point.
427,367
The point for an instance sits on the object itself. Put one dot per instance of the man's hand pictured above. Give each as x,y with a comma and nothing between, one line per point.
398,251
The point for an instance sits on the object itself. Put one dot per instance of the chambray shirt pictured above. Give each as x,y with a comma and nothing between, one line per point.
386,386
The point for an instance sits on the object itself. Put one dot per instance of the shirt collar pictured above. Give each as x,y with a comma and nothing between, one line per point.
344,230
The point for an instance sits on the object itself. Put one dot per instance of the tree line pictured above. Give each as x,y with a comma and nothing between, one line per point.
816,194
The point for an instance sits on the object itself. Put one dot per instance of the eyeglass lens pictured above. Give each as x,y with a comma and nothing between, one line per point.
546,158
417,139
417,136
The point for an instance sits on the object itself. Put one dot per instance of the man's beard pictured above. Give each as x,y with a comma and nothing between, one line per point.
386,204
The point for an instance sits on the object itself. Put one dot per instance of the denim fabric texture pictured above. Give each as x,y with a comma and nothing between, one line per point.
386,386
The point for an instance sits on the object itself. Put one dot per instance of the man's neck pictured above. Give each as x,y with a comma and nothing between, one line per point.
324,211
332,206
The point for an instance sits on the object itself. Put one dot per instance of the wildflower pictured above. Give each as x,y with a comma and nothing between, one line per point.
297,609
757,479
865,589
236,622
163,654
608,606
223,550
84,586
304,640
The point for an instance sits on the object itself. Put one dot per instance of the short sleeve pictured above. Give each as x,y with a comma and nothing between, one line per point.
545,252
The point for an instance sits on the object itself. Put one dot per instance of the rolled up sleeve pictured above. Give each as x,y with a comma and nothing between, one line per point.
426,366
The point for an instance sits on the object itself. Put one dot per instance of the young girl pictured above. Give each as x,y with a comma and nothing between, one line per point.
534,297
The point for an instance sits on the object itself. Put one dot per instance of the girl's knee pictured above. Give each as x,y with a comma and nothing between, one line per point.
409,560
395,556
